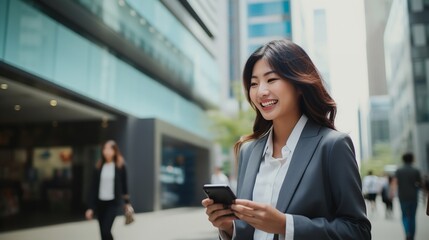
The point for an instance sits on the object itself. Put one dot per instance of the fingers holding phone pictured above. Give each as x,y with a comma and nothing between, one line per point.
218,205
218,215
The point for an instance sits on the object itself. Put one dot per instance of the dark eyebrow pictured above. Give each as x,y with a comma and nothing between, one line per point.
266,74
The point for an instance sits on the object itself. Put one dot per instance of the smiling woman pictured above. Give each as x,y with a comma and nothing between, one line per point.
272,96
297,176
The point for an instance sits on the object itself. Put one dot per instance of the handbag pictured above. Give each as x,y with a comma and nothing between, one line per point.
129,214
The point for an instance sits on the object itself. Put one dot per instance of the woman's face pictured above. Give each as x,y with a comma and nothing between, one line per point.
108,151
274,97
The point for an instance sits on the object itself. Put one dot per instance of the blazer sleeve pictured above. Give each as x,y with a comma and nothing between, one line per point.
93,190
348,219
243,159
124,183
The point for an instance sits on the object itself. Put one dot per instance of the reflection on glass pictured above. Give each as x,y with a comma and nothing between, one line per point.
133,27
177,177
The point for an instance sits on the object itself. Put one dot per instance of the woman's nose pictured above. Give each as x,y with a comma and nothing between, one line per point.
263,90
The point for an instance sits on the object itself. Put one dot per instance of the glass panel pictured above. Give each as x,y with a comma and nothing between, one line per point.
427,33
152,28
422,108
270,29
419,69
71,68
3,17
101,74
419,36
177,175
426,4
30,40
37,44
416,5
269,8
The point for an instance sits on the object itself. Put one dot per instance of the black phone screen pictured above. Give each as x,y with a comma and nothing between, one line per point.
220,193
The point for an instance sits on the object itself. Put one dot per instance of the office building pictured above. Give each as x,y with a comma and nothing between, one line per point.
309,30
406,42
331,32
74,73
376,109
267,20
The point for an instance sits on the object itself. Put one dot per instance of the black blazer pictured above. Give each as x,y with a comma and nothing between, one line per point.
120,185
321,190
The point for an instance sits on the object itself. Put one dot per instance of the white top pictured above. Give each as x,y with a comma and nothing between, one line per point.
370,184
107,182
219,178
271,175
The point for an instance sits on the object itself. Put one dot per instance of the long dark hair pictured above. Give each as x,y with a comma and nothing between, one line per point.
118,159
291,63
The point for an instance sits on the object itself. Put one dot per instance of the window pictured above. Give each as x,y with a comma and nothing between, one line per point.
417,5
270,29
419,35
270,8
426,4
419,69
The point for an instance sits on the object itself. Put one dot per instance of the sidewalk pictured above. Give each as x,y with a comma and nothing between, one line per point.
192,224
392,229
173,224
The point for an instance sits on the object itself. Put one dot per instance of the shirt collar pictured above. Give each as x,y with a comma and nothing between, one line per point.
292,140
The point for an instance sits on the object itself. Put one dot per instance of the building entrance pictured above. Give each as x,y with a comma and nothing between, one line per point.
178,174
48,147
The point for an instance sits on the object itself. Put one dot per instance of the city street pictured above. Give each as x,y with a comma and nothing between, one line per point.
192,224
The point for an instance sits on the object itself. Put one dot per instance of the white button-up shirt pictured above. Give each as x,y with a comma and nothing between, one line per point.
107,182
271,175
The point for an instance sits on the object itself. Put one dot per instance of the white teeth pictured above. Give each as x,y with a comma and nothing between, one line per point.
265,104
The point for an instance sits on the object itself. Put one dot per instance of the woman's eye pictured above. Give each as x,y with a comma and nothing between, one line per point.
272,79
253,84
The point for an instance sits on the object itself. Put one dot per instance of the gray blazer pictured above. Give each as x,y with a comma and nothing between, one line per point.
322,188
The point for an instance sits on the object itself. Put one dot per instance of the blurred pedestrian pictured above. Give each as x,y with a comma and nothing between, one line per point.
409,182
388,192
297,176
218,177
370,189
108,189
426,190
425,187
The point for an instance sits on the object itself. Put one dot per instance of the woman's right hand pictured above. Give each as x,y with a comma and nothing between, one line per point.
219,216
89,214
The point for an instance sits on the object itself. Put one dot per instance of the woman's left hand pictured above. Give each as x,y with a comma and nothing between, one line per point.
261,216
128,208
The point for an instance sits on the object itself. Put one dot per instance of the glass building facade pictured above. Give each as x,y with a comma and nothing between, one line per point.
267,20
379,117
123,69
407,62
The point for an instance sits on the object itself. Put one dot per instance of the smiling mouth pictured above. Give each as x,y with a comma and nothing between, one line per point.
269,103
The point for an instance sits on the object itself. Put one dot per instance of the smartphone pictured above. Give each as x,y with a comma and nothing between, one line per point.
220,193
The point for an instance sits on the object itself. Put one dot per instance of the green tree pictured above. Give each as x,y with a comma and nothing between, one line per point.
381,158
228,128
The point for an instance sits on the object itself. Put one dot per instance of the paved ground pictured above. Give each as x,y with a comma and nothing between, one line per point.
392,229
173,224
192,224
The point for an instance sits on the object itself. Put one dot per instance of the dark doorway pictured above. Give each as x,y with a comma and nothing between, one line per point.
178,173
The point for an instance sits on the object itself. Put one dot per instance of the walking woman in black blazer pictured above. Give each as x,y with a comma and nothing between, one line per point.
108,189
297,176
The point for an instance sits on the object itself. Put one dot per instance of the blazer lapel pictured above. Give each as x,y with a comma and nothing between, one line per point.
252,168
304,150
